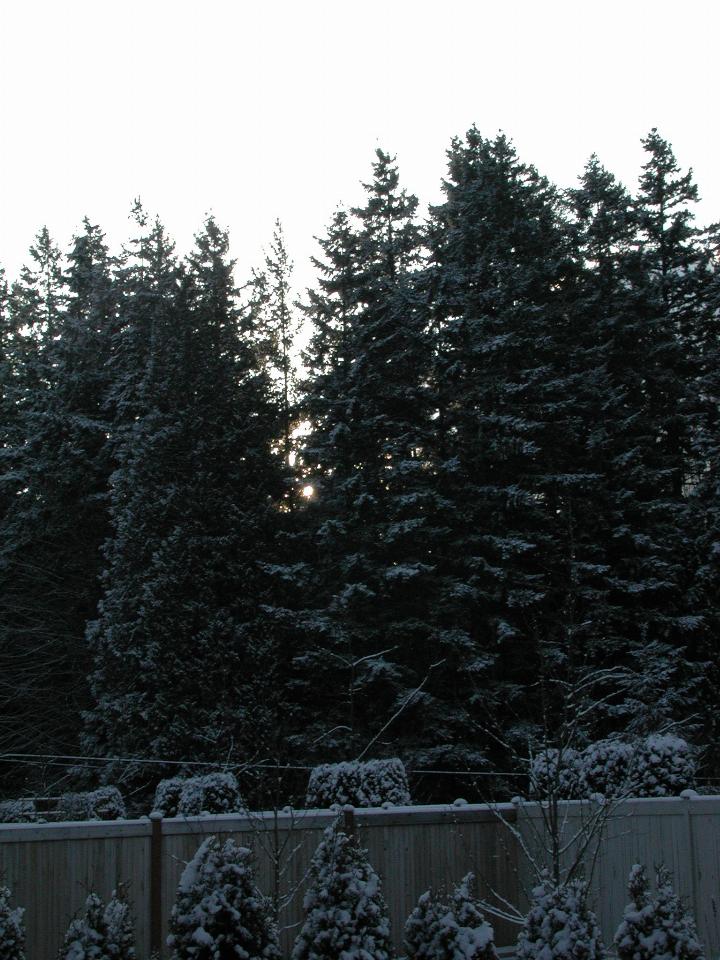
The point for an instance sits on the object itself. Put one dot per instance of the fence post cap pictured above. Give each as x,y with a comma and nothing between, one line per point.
156,815
689,794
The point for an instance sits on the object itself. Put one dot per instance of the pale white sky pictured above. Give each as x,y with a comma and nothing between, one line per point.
255,110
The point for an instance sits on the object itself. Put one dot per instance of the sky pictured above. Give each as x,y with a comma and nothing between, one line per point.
258,110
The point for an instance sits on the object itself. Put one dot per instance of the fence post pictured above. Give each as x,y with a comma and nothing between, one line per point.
155,882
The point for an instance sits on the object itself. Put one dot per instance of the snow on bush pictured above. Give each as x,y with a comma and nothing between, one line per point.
120,933
219,914
211,793
656,927
18,811
559,925
369,784
87,936
659,766
167,796
12,930
605,767
105,803
449,928
665,765
555,773
346,915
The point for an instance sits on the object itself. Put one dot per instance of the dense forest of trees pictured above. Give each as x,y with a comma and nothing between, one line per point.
494,474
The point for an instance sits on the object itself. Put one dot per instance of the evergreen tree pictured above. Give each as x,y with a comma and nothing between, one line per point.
56,474
12,930
560,926
449,928
346,914
218,913
380,648
121,936
656,927
193,501
507,444
87,936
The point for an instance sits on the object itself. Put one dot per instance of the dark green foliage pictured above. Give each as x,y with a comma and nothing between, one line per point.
192,506
55,466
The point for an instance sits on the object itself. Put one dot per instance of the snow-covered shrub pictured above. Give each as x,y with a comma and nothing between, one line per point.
211,793
105,803
664,765
120,933
555,773
656,927
345,911
18,811
372,783
87,936
167,796
12,930
449,928
218,912
559,925
659,766
606,768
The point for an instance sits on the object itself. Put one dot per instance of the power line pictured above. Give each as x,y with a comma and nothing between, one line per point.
71,760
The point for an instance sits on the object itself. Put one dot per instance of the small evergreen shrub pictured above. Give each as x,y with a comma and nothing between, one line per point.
167,796
218,912
12,929
449,928
605,767
665,765
656,927
559,925
105,803
18,811
120,933
87,936
658,766
555,773
211,793
363,784
345,911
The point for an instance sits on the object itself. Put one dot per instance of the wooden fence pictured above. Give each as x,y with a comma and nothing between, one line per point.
51,868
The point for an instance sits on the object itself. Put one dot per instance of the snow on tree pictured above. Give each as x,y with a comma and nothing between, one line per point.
12,930
105,803
559,925
120,932
211,793
554,771
371,783
656,926
345,911
665,765
167,796
449,928
87,936
660,765
219,914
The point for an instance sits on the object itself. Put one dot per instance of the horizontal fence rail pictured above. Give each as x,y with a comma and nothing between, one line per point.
51,868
